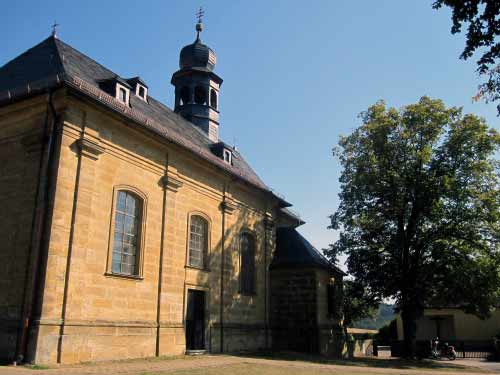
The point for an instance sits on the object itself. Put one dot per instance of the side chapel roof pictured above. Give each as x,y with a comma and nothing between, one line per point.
292,250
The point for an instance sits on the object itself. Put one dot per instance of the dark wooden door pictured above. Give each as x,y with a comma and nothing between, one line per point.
195,320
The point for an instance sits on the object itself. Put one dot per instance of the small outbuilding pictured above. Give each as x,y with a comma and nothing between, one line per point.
306,297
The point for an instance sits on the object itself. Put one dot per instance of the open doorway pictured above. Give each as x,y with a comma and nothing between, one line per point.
195,320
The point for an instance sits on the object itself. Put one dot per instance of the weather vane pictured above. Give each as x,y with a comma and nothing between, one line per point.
199,26
54,29
199,14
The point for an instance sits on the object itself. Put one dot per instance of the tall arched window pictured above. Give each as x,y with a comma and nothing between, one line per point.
213,99
198,241
127,233
185,94
247,263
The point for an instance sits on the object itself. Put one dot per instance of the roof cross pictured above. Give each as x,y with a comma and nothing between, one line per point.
199,14
54,29
199,26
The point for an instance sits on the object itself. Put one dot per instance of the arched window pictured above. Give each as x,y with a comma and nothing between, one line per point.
213,99
200,95
247,263
185,94
198,241
127,233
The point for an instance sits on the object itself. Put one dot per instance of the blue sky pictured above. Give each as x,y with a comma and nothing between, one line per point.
296,74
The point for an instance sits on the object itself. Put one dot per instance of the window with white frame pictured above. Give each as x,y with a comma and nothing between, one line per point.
122,94
227,156
198,241
141,92
127,233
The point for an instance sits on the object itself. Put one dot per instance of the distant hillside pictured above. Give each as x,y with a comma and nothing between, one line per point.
384,316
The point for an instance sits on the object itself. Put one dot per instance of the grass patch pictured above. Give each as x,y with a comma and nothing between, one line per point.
37,367
171,357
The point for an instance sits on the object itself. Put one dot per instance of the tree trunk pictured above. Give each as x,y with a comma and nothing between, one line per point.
409,317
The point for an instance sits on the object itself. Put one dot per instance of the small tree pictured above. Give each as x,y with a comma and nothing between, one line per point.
420,208
483,33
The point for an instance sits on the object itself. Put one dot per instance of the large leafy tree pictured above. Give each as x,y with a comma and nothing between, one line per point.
482,20
420,208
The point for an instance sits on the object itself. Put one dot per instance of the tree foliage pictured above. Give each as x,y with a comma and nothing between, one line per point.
481,17
419,213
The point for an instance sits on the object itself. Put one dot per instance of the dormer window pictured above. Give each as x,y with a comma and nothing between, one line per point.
139,87
141,92
223,151
227,156
122,93
116,87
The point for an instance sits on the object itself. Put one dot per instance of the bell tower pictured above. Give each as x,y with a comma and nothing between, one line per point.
197,86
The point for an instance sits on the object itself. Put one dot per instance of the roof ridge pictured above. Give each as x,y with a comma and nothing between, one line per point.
59,53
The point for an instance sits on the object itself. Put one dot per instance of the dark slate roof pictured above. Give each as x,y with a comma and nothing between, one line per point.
197,55
53,63
292,215
293,250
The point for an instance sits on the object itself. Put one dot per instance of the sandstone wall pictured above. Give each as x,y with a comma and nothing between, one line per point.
21,129
89,314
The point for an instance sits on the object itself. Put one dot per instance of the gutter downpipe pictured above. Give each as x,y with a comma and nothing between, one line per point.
266,280
162,247
38,230
221,312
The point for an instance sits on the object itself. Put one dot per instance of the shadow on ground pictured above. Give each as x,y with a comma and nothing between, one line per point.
394,363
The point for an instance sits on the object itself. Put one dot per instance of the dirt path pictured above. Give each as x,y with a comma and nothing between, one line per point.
151,366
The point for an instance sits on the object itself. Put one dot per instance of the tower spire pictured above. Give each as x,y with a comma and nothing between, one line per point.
199,26
197,86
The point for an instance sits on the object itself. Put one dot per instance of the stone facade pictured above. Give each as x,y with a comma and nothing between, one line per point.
294,310
300,319
20,152
85,312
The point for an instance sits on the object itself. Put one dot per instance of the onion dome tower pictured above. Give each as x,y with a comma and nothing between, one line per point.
197,86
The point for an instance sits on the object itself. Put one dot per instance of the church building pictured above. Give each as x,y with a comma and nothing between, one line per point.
132,230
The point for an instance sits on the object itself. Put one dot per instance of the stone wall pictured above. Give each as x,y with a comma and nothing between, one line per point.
239,338
21,129
88,314
330,330
294,309
299,312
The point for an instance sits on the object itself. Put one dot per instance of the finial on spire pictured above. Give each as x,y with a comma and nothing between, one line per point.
199,26
54,29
